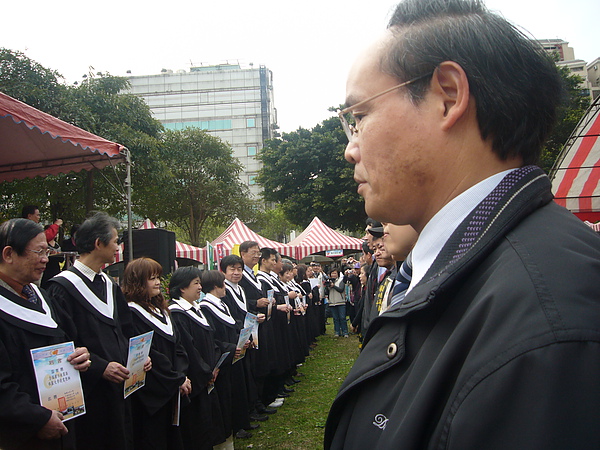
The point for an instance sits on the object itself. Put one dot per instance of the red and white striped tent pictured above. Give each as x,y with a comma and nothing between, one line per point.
318,237
181,250
576,173
239,232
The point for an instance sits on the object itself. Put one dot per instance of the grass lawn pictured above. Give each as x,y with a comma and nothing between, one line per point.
300,422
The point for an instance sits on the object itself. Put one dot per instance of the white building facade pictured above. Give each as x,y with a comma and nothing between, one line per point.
236,104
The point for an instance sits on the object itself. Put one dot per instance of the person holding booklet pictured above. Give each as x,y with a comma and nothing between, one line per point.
258,303
201,421
28,321
156,407
96,315
232,267
231,382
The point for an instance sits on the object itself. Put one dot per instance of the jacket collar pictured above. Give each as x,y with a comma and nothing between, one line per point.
195,313
14,306
87,296
219,309
237,293
519,194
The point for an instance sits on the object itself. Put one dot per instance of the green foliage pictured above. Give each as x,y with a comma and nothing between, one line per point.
96,106
30,82
273,224
305,171
197,179
574,106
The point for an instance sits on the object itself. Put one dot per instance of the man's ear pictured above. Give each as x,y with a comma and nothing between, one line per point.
450,82
97,243
7,254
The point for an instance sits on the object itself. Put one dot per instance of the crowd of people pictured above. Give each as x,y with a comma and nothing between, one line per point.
220,386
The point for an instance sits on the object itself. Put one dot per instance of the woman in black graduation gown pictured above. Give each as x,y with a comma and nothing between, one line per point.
201,421
153,405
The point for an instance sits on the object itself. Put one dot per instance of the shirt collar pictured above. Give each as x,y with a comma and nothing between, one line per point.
441,226
85,270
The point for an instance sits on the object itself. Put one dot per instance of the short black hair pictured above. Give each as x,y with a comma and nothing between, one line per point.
231,260
212,279
286,267
17,233
247,245
373,223
27,210
181,279
266,253
515,83
98,226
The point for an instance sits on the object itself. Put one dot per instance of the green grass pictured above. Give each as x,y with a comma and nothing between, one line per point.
300,422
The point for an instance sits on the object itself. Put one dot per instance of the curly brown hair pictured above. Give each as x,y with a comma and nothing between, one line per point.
135,284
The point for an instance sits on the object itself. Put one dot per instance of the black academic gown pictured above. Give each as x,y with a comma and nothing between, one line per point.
283,362
235,299
232,376
24,326
100,322
153,405
201,421
266,355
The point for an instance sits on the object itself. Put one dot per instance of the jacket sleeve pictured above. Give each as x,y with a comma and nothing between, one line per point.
51,232
338,285
548,397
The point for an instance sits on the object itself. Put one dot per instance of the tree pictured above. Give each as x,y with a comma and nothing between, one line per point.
198,179
575,104
305,171
28,81
273,224
96,105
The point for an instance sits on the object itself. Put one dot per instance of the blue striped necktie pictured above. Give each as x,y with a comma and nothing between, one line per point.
402,282
30,294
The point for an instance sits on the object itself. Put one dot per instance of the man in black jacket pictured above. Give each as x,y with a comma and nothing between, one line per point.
496,343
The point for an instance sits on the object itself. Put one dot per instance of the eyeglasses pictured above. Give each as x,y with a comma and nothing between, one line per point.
41,253
351,130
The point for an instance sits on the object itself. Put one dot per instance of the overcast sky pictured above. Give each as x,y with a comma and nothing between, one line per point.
308,45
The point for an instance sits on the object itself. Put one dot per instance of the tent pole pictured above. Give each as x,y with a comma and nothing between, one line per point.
129,219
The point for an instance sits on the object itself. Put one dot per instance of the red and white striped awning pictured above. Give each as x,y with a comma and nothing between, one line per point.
318,237
239,232
181,250
576,173
189,251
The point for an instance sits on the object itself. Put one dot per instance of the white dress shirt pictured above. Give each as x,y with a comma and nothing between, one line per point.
441,226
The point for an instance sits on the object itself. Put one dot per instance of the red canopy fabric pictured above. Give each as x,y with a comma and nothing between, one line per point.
576,173
318,237
34,143
239,232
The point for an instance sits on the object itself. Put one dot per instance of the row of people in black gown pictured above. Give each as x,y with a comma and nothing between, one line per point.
86,306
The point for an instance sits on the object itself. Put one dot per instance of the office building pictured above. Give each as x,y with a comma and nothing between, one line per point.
234,103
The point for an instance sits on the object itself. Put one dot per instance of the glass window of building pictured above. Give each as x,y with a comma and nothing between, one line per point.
250,123
251,151
252,180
